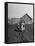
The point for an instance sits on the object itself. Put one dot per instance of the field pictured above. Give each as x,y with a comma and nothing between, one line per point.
15,36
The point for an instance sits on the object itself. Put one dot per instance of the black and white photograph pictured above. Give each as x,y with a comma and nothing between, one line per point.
20,23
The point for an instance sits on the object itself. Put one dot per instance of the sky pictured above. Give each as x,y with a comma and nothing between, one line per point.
19,10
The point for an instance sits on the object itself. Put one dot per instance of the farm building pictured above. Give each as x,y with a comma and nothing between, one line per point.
25,20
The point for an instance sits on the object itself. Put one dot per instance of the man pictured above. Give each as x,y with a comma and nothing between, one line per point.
20,29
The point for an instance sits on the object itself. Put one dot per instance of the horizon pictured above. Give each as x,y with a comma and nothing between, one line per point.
20,17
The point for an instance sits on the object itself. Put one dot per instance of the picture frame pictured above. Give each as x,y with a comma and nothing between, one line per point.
7,40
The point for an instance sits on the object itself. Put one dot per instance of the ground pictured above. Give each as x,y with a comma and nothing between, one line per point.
13,36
